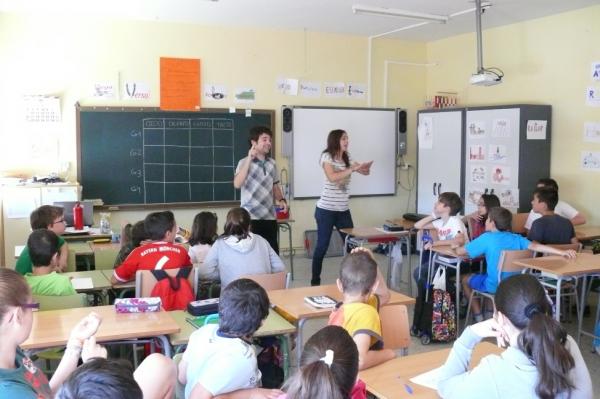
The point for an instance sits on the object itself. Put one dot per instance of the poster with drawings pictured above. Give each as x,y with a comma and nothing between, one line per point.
478,174
476,130
509,197
476,153
590,161
591,132
473,195
501,128
497,153
500,174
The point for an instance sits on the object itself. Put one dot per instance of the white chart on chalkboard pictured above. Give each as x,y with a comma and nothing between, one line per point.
373,136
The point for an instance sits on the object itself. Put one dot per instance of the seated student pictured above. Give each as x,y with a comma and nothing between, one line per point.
364,290
239,252
328,368
220,358
550,228
496,239
131,238
450,228
204,234
51,218
541,360
562,208
160,253
43,251
19,376
478,218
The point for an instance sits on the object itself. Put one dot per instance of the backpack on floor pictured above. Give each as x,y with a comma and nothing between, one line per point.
176,291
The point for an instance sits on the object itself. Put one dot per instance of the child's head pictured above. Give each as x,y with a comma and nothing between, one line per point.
337,143
544,199
43,248
243,306
138,233
487,202
316,378
101,378
547,183
261,137
522,304
448,204
15,309
500,219
204,229
358,274
237,223
160,226
48,217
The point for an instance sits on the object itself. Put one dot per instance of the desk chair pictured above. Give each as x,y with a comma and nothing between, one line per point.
569,286
505,264
395,328
518,222
271,281
145,281
52,302
104,259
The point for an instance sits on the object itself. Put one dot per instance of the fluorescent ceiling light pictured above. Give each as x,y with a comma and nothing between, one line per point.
394,12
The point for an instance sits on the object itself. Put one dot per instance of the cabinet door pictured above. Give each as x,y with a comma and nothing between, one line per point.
439,156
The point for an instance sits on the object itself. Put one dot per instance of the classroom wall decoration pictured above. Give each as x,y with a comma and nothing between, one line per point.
590,161
142,156
179,84
591,132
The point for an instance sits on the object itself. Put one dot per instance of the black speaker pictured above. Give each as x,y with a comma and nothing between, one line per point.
287,119
402,121
287,127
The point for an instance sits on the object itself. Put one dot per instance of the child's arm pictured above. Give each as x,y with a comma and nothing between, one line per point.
459,240
63,257
382,290
537,247
425,223
369,358
252,393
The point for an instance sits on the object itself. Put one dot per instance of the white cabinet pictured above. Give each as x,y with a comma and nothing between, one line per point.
439,159
17,204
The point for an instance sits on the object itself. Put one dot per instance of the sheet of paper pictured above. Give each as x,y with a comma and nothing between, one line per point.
245,94
356,90
592,96
590,161
476,130
215,92
596,70
179,84
136,91
428,379
591,132
310,89
334,89
287,86
425,132
18,250
536,130
82,283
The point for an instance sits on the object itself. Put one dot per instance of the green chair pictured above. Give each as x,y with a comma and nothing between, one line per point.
104,259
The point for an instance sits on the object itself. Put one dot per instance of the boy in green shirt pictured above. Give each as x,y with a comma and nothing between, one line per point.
43,250
46,217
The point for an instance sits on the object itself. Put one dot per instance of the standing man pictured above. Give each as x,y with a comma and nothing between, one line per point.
256,175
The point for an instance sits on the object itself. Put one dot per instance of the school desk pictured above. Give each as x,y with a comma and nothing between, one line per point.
407,224
587,233
388,380
291,305
285,225
360,236
100,284
583,265
52,328
274,325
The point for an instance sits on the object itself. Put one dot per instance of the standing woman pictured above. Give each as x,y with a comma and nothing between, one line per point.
332,208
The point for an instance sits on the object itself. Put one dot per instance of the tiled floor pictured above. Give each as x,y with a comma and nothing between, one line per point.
302,274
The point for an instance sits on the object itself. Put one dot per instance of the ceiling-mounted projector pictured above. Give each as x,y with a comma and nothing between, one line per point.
485,78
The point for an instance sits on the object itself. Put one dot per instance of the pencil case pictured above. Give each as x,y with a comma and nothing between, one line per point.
203,307
137,305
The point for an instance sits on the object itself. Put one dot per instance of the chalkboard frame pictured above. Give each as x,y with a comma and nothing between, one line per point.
208,204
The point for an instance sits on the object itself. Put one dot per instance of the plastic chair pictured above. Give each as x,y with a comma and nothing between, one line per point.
145,281
271,281
505,264
395,328
104,259
51,302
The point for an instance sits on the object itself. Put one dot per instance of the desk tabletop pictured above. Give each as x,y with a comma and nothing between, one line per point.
386,381
99,280
584,263
80,248
104,246
407,224
52,328
373,232
274,325
586,233
290,302
108,274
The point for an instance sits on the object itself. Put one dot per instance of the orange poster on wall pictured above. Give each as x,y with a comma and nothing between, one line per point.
179,84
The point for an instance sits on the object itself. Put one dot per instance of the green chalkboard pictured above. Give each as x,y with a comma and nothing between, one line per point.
144,156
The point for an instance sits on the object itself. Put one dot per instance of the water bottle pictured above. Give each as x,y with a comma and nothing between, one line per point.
78,216
104,223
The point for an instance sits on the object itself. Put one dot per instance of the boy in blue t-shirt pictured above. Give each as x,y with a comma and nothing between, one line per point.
496,239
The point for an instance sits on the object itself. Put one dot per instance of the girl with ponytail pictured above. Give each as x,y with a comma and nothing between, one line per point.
329,368
541,360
